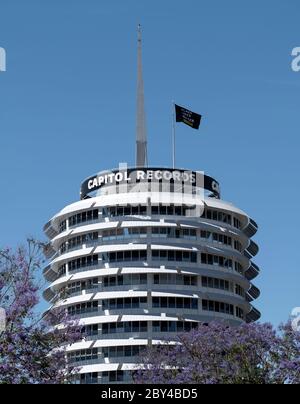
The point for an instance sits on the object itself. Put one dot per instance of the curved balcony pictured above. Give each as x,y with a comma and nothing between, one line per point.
253,315
253,293
252,272
252,249
251,229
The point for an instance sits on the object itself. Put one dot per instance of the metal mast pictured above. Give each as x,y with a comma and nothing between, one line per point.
141,135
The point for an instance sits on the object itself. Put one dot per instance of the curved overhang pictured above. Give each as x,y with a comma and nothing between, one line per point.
253,292
251,228
253,315
252,272
252,249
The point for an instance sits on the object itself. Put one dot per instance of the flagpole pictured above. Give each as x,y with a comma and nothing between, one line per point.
173,133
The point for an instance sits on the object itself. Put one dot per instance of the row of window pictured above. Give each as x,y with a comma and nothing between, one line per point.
171,255
79,286
175,279
222,262
141,210
117,376
125,327
83,355
159,326
128,279
171,232
140,232
173,326
106,352
157,302
79,241
124,303
106,377
83,217
221,307
217,216
122,351
83,262
221,217
159,279
133,303
215,283
136,255
123,233
142,326
157,255
175,303
82,308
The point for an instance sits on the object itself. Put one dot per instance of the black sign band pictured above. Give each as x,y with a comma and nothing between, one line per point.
156,175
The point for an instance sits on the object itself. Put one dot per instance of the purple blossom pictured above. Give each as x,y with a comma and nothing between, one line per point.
28,345
221,354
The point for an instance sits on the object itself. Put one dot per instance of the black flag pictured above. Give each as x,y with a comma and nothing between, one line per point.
188,117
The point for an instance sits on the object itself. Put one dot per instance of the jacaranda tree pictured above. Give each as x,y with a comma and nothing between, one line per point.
32,349
221,354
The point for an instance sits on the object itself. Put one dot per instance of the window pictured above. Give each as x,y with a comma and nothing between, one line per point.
83,355
239,290
172,326
128,279
175,279
83,262
220,261
123,303
171,255
126,327
83,217
121,351
239,312
62,226
87,307
78,287
74,242
89,378
90,330
218,307
174,302
217,216
136,255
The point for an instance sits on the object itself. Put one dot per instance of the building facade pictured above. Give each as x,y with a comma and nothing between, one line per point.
145,254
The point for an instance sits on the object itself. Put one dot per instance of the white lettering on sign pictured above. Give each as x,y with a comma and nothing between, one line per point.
140,175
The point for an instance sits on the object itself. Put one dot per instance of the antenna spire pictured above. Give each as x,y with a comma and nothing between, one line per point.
141,134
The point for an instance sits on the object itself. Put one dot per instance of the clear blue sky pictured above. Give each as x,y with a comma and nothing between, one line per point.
67,110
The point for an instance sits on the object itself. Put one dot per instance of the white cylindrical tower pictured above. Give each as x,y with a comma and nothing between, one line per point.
145,254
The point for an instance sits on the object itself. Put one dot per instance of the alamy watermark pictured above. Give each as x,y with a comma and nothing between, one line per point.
2,60
295,318
296,61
